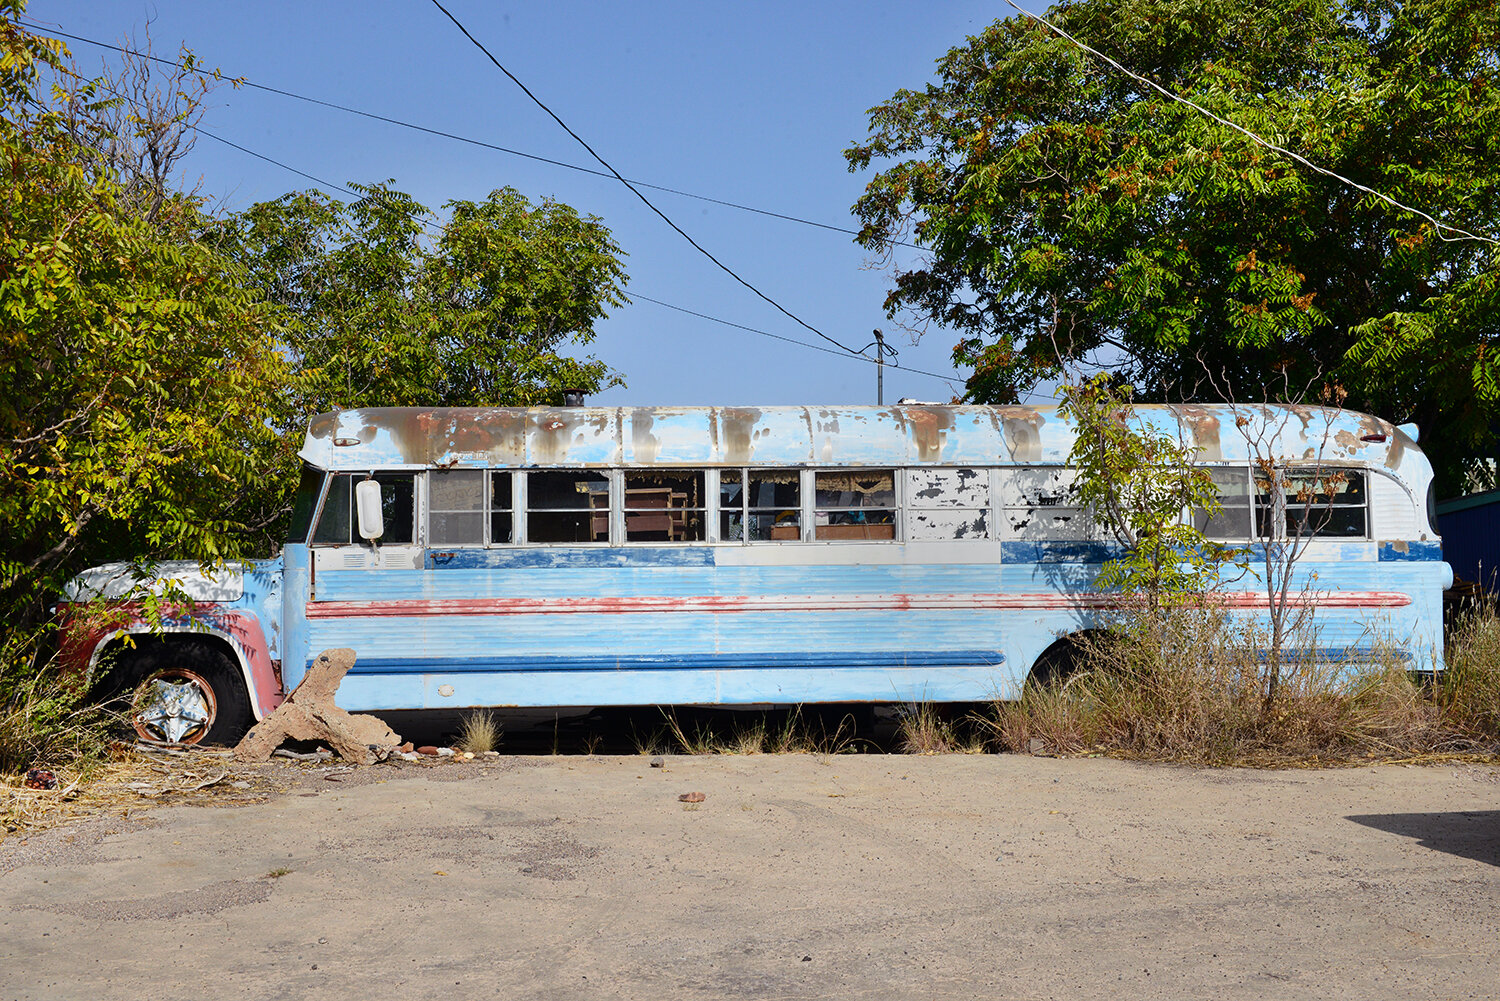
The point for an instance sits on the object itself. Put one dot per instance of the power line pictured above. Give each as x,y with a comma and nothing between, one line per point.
436,230
634,190
1438,226
468,140
330,185
789,340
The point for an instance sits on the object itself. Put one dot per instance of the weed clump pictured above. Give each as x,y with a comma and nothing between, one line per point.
479,732
44,721
1469,690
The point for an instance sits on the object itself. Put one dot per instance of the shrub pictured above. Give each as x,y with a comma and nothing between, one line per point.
1188,686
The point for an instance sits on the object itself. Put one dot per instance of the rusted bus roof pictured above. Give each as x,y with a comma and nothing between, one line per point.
385,437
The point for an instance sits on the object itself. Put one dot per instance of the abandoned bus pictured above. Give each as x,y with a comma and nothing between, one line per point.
586,556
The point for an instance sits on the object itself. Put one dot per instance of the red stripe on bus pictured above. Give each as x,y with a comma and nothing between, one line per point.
725,604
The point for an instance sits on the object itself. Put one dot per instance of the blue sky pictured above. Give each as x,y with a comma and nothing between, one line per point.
746,103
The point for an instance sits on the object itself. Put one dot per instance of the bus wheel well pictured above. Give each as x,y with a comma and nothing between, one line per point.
1065,657
178,688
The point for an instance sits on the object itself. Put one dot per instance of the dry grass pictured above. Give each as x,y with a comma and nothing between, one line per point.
1190,687
44,723
795,734
1469,690
922,728
479,732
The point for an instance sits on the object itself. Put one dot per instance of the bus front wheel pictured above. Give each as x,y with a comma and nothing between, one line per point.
188,692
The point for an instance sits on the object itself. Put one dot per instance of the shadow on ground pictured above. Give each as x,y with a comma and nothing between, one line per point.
1471,834
655,729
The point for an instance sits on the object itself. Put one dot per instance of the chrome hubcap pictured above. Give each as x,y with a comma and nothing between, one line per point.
171,709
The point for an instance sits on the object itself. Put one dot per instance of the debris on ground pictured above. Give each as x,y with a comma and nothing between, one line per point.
309,714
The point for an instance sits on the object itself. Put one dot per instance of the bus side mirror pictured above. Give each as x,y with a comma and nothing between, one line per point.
367,504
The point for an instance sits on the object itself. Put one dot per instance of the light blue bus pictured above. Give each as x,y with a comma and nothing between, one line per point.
589,556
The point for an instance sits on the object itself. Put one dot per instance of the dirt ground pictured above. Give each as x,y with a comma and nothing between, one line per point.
798,876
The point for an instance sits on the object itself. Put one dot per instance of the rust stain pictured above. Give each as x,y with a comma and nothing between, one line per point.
1023,433
927,428
739,429
551,435
1348,441
827,425
1204,428
1399,444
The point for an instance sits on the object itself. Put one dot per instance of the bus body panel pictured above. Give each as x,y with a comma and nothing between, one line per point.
906,618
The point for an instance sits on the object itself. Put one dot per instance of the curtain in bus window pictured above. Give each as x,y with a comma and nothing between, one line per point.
855,504
1232,521
567,506
664,505
947,504
455,507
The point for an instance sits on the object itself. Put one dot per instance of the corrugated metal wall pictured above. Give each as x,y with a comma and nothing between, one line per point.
1470,527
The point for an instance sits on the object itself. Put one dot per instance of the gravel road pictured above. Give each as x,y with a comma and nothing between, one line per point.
798,876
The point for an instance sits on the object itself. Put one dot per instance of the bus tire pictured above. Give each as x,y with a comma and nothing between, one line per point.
187,691
1063,660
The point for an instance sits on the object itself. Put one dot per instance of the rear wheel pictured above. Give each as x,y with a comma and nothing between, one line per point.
187,692
1067,659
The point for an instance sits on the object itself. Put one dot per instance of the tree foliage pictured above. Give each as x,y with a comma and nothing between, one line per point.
373,311
1070,211
138,384
1138,481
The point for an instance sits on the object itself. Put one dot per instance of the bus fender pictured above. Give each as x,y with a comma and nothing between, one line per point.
241,632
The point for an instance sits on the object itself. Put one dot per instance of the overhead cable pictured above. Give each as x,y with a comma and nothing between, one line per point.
634,190
790,340
469,140
436,231
1438,226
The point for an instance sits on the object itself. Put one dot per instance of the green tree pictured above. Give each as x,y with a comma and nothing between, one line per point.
374,312
138,385
1069,210
1138,481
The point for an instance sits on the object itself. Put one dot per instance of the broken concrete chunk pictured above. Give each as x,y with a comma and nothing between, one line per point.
309,714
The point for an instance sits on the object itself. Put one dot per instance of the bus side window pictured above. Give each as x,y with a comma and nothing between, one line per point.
1231,523
335,524
1328,502
947,504
664,506
502,518
1041,504
567,506
760,505
774,505
855,504
305,505
455,507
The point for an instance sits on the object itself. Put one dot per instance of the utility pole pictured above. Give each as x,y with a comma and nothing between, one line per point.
880,352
